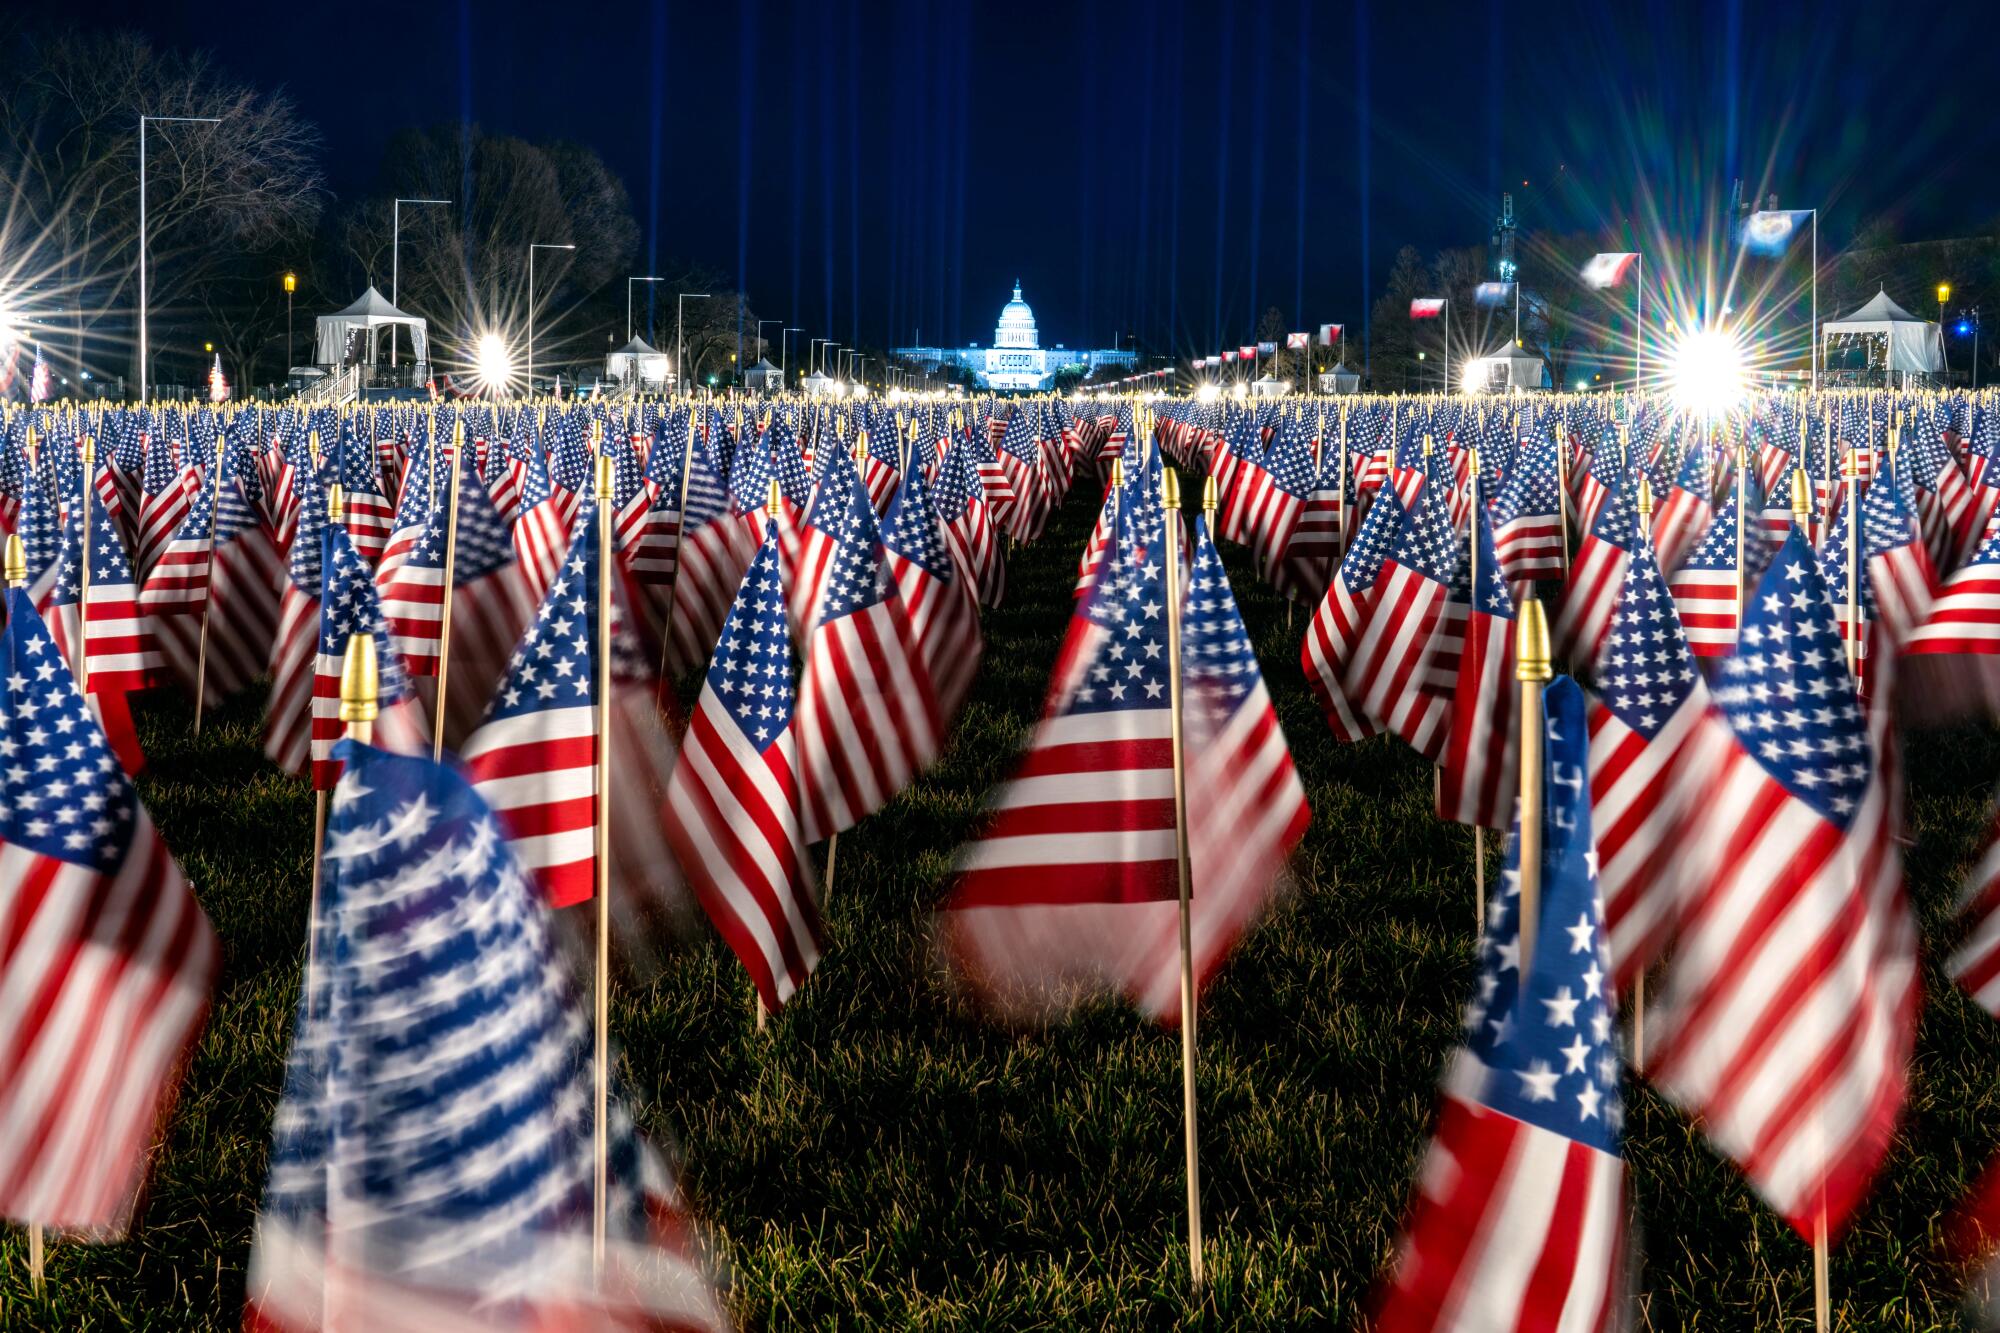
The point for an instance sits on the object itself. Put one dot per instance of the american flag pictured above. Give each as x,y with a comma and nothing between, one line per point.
1336,625
943,615
432,1158
222,566
107,959
652,555
534,756
1400,635
1705,587
120,650
718,543
1089,814
424,488
1246,812
968,525
1478,773
1902,583
166,490
1946,506
370,515
1652,748
732,810
1527,517
1790,1005
295,649
1277,507
1685,513
540,534
569,463
348,606
1519,1219
868,719
1597,575
818,536
1095,547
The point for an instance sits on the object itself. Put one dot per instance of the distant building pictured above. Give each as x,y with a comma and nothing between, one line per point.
1017,360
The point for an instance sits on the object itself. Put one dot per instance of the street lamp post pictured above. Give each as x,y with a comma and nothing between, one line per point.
785,338
143,121
1944,294
759,348
291,285
680,344
628,302
532,247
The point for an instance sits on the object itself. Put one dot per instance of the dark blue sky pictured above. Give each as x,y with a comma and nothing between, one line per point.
872,171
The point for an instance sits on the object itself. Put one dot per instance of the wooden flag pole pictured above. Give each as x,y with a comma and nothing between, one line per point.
208,589
600,1179
17,577
1478,830
770,516
1639,983
83,585
1171,496
1531,672
1854,556
336,512
444,611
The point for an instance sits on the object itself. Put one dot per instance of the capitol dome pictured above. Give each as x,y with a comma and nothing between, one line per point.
1017,323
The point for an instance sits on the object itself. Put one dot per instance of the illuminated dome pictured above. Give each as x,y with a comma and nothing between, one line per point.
1017,323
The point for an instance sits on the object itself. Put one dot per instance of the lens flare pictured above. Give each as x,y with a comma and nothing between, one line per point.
1707,371
492,362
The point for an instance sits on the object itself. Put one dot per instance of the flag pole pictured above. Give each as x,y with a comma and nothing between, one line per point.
770,516
16,560
674,584
450,551
208,588
1478,830
1531,672
1639,983
602,1063
83,585
1171,496
1742,466
1854,557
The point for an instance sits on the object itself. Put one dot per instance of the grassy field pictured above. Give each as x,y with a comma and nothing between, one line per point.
883,1159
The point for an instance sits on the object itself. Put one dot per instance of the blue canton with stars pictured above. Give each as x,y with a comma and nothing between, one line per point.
555,663
349,606
1426,543
751,672
1218,665
1787,691
1529,490
1493,596
66,795
1129,667
1551,1054
1645,672
911,530
856,578
1717,548
1363,563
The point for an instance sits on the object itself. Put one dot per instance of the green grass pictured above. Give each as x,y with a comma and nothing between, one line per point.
884,1159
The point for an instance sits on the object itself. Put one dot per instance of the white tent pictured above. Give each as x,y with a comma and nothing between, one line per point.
1915,345
353,336
764,377
636,365
817,385
1271,387
1339,380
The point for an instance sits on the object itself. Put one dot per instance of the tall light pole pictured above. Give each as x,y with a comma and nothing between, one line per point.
143,121
680,324
812,356
534,246
396,264
759,348
628,302
291,285
826,355
1944,294
784,338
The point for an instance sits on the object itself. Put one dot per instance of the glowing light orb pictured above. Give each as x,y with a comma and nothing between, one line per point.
1240,391
1707,371
492,362
1207,393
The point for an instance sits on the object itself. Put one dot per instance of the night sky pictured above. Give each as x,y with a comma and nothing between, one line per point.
875,171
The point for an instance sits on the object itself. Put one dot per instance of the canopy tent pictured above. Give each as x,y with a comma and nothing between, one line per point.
636,365
1339,380
1915,345
1271,387
817,384
353,336
764,377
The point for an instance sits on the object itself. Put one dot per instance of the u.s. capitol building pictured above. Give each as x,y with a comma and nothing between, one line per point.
1016,360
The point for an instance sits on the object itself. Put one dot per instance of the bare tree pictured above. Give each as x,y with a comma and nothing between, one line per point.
69,149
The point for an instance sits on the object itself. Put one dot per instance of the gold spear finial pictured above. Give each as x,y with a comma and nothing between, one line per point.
771,504
360,682
1210,498
1531,643
16,561
1117,472
336,503
1170,488
1801,496
603,476
1645,497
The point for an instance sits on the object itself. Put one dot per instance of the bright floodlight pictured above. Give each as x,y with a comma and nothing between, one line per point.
492,362
1706,371
1477,373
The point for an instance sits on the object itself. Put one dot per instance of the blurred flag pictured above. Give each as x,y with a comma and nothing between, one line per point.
223,569
105,630
1400,636
1337,623
1790,1002
348,606
1609,270
1527,517
1493,293
1427,307
1267,349
1597,576
732,809
1519,1219
1478,773
1297,341
1247,353
106,961
1769,231
432,1159
943,615
1330,333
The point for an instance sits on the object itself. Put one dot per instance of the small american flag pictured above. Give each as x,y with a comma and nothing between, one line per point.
107,958
943,615
968,524
370,516
868,718
221,565
1527,517
732,810
1685,513
1478,774
1705,587
432,1155
1337,623
1400,635
348,606
1519,1219
1598,575
1789,1013
165,495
